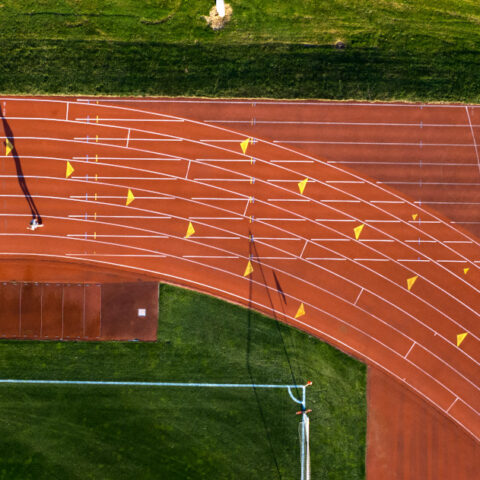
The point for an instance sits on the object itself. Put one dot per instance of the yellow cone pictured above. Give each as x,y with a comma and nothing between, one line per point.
358,231
302,185
190,230
8,146
414,216
465,270
69,171
244,145
249,269
411,281
461,338
130,197
300,311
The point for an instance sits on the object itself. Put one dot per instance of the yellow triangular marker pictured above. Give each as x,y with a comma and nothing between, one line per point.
302,185
414,216
244,145
190,230
130,197
8,146
411,281
465,270
249,269
358,231
461,338
70,170
300,311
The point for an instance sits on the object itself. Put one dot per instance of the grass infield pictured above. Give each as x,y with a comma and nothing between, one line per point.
80,432
396,49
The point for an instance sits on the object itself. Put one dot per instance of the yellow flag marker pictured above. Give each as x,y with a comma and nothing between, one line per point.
190,230
461,338
8,146
130,197
244,145
414,216
69,171
411,281
465,270
358,231
300,311
249,269
302,185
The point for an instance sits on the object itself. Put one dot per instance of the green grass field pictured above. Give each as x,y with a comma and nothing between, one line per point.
396,49
78,432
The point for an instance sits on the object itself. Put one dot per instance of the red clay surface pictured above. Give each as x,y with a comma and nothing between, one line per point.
354,291
81,311
431,448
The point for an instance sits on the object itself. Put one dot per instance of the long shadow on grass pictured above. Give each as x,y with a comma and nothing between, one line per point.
253,254
10,142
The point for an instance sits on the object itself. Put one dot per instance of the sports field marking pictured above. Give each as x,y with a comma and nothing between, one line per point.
473,136
410,349
335,340
379,144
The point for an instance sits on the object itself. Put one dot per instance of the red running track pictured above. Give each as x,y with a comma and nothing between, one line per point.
248,207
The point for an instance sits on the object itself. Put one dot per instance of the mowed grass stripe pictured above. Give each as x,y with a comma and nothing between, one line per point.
121,433
396,49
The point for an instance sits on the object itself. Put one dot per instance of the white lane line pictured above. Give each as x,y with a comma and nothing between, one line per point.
463,184
86,216
92,197
332,239
450,261
383,144
288,200
303,249
451,405
225,160
281,219
97,235
198,237
473,136
344,181
358,297
128,137
457,241
446,203
387,240
220,199
188,168
340,201
216,218
122,139
416,164
372,259
83,254
78,177
142,159
221,179
383,221
66,115
210,256
80,119
387,201
412,260
334,220
420,241
326,258
292,161
278,238
409,350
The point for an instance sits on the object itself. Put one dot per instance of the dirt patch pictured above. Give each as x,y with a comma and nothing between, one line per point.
215,21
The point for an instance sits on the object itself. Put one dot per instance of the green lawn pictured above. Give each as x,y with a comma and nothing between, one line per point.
396,49
78,432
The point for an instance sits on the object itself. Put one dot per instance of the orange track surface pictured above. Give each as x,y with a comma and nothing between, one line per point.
304,250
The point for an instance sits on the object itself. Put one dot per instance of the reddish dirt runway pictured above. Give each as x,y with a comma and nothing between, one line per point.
396,297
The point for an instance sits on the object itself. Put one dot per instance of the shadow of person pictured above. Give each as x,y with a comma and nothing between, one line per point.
9,144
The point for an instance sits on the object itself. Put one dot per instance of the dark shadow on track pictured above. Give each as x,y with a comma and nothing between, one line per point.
10,139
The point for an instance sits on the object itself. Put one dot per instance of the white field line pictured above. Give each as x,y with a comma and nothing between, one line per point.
323,312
